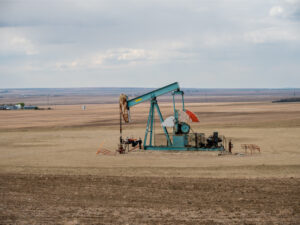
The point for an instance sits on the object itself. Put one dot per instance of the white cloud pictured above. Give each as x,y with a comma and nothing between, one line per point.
292,1
12,42
127,54
270,35
108,59
154,53
23,44
119,57
288,9
276,11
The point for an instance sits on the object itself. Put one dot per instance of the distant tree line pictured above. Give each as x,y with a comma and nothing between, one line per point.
288,100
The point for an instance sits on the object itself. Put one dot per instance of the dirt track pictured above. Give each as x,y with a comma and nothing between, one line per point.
53,199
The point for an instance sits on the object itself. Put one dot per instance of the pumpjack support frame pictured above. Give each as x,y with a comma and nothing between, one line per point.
177,137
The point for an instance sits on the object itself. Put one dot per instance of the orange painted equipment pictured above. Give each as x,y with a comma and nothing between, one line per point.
192,116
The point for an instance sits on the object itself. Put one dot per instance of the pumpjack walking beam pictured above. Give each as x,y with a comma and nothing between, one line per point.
153,94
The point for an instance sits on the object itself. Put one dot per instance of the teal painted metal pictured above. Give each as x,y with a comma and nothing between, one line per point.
185,128
178,92
153,94
150,123
161,121
180,141
147,128
168,148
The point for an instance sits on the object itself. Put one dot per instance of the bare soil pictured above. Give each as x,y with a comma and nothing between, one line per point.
54,199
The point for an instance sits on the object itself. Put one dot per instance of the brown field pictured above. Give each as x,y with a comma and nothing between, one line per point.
50,173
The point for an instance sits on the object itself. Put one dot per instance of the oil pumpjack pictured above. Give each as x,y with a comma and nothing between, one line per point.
182,137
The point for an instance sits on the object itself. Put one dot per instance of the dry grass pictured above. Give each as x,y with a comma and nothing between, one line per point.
65,140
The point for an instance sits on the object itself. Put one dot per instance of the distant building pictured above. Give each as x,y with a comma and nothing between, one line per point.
30,107
18,106
10,107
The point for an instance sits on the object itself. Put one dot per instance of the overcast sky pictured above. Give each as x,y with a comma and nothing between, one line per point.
203,44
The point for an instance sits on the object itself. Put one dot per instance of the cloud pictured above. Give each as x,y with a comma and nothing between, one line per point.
288,9
271,35
276,11
110,58
99,42
294,2
122,57
13,42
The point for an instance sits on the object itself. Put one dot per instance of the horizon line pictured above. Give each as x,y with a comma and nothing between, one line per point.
13,88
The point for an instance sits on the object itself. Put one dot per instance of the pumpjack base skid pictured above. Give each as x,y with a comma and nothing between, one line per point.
169,148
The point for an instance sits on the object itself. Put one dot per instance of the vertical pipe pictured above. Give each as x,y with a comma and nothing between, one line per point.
121,127
147,128
174,108
152,120
154,142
